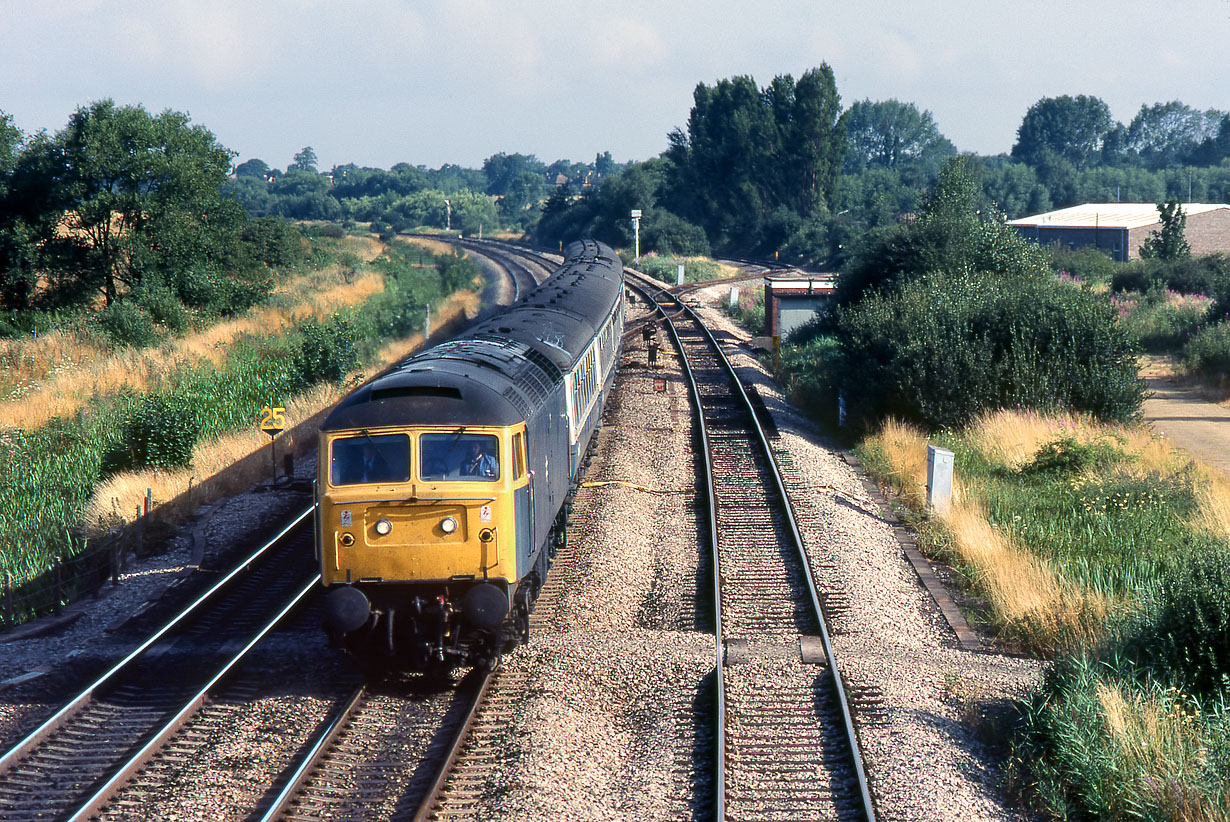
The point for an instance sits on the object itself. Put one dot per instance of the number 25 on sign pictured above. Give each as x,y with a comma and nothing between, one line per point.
273,420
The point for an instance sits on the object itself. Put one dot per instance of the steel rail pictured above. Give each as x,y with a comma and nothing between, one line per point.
434,794
295,782
147,751
788,508
61,716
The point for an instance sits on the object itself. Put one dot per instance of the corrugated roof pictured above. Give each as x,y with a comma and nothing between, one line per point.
1109,215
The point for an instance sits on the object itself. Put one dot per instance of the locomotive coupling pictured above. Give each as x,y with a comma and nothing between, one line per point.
346,609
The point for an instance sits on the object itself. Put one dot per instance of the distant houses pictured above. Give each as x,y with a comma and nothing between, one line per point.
1120,229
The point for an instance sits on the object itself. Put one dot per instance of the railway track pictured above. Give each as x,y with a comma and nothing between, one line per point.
787,748
72,764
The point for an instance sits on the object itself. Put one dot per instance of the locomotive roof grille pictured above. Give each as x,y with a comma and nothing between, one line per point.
514,396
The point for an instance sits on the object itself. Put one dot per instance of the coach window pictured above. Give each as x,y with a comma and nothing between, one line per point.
368,459
459,457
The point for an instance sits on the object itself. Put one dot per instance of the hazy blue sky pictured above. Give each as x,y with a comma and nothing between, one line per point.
376,82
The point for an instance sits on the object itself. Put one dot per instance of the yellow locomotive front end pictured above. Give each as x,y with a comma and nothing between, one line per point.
417,540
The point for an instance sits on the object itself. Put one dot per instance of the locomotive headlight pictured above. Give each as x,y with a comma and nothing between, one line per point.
383,527
448,525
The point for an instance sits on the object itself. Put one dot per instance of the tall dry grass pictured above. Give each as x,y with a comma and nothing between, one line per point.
1012,438
1157,750
904,448
62,393
1028,598
26,362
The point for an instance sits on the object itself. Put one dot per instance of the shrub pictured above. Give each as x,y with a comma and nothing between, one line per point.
1068,456
1187,637
1208,351
943,349
666,269
749,311
1208,274
811,373
164,308
160,432
1162,320
326,351
1086,263
457,271
274,241
126,322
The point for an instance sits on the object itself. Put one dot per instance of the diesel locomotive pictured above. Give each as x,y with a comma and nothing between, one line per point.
442,484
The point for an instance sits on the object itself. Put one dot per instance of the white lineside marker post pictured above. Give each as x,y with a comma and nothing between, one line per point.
939,480
734,298
679,275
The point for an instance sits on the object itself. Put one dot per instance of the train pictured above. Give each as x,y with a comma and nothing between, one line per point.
443,485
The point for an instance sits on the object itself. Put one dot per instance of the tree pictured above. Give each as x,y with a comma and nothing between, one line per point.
134,196
17,249
604,165
1213,150
955,234
505,170
258,169
304,160
1074,128
1167,134
889,133
749,151
1169,242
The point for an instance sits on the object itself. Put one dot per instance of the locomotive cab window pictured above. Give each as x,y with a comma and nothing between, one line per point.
366,459
459,457
518,465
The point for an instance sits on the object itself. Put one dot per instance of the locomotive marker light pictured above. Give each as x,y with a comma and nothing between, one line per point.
448,525
384,527
273,421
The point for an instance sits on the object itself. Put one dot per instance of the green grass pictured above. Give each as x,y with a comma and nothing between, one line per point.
666,269
1162,321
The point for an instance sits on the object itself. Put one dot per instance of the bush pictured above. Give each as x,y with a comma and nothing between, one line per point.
943,349
126,322
160,432
162,306
811,373
1187,638
457,271
1086,263
326,351
1207,353
1162,320
274,241
1068,456
1208,274
223,295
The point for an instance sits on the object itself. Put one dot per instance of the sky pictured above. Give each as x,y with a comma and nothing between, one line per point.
429,82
